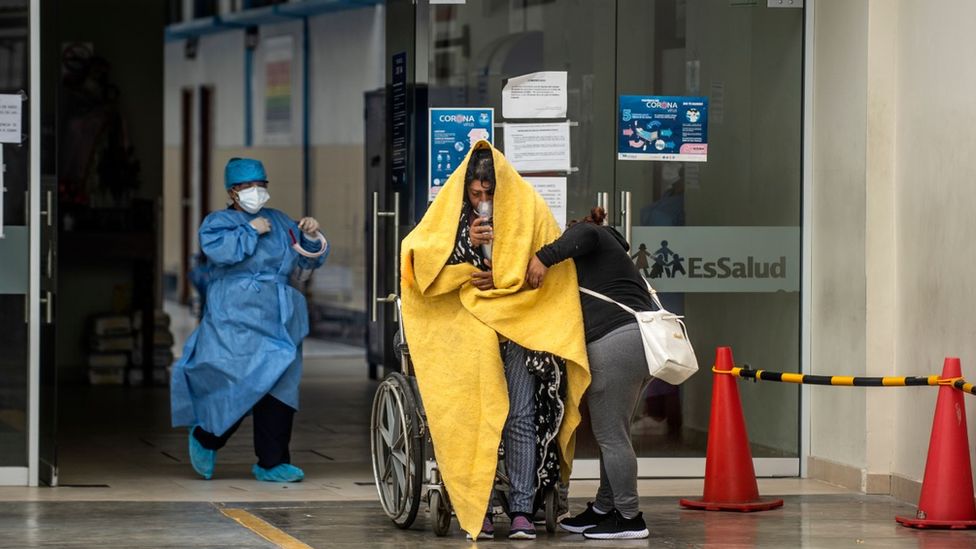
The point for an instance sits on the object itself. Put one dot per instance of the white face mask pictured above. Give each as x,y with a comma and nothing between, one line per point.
253,199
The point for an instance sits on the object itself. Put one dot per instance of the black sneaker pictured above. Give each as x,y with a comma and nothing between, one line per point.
615,526
582,521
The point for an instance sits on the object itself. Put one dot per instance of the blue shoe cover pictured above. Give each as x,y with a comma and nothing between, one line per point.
203,460
283,472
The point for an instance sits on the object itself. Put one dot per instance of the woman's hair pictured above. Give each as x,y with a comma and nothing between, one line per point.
480,168
596,217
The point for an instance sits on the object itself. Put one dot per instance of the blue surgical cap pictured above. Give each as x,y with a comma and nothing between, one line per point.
243,170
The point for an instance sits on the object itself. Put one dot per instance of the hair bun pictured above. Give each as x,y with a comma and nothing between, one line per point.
598,215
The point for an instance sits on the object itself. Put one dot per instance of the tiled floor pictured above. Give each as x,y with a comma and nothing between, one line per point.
126,482
811,521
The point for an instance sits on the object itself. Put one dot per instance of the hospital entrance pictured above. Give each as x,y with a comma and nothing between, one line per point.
138,106
141,104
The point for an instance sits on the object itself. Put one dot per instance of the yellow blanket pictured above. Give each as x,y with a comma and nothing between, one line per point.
453,329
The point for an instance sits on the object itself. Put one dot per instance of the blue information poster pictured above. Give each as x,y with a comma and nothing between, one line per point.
452,133
663,128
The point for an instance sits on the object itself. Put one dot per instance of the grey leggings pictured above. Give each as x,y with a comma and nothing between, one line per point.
519,433
619,372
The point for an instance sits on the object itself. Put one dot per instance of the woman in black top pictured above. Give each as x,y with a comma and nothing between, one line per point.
617,364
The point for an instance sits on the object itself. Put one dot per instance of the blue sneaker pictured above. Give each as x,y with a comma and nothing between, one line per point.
203,460
283,472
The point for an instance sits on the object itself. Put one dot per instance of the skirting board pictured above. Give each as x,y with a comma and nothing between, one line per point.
858,480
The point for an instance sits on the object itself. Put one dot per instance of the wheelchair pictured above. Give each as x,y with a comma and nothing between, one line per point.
404,466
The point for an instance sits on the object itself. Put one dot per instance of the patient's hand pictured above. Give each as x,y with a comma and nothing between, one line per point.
482,280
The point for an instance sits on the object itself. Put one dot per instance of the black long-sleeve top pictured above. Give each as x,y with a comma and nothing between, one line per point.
602,265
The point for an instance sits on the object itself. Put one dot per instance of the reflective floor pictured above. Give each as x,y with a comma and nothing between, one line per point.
126,483
815,521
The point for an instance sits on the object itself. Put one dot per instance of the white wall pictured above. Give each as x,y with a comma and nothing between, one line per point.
892,225
349,58
934,169
838,300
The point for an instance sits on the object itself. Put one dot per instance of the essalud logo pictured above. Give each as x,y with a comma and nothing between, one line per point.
666,263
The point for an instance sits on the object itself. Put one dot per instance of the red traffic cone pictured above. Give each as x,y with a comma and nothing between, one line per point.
730,479
947,489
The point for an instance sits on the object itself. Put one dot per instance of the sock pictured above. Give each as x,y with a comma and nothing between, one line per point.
598,511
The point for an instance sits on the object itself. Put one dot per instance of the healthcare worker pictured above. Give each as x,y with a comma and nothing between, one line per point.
246,355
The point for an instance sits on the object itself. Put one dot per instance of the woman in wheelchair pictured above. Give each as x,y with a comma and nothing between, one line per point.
495,361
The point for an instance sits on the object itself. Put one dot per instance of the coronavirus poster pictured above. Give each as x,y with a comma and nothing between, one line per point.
452,134
663,128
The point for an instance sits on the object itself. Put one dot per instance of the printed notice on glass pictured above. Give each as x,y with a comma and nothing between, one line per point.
452,133
663,128
538,147
536,95
10,106
553,191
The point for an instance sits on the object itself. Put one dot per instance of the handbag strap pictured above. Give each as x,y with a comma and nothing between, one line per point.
653,293
650,290
598,295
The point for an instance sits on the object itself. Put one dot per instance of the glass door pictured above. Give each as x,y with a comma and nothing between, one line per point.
715,225
708,163
16,299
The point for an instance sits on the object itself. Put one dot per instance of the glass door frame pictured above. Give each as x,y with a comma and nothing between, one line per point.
34,333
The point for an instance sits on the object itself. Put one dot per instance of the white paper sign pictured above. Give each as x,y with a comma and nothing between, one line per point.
553,191
538,147
536,95
10,106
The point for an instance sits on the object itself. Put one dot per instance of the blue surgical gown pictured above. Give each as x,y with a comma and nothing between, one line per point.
248,343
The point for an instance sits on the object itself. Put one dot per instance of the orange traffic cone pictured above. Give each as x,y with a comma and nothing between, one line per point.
947,489
730,479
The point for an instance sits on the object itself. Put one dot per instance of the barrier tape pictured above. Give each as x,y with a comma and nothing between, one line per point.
849,381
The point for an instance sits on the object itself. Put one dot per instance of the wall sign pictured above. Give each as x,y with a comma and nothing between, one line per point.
718,259
399,118
663,128
277,93
538,147
452,133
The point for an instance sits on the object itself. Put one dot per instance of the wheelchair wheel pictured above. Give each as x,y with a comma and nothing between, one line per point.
552,506
440,513
397,449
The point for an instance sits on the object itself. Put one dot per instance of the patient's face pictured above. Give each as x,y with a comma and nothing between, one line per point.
479,191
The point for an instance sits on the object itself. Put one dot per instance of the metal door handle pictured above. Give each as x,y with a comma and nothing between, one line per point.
603,201
377,214
376,244
48,213
628,220
48,304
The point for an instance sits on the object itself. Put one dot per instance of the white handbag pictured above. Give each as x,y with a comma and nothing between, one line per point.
666,345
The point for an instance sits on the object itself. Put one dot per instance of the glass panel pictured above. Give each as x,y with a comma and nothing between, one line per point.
743,202
747,60
13,381
476,47
14,78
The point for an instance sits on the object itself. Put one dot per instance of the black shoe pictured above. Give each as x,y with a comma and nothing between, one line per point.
615,526
584,520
